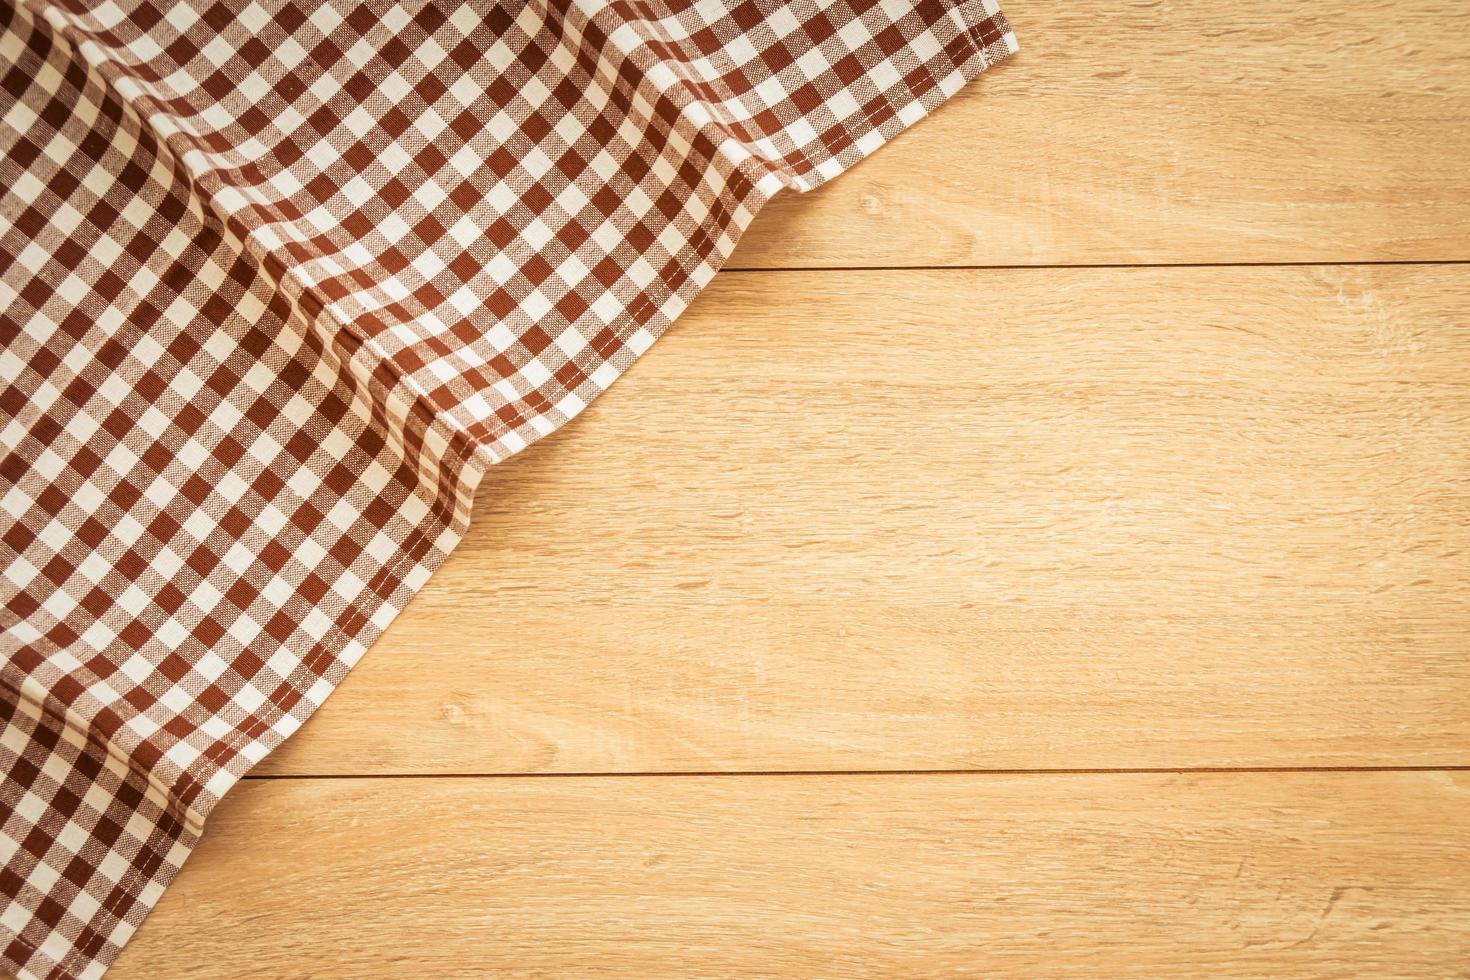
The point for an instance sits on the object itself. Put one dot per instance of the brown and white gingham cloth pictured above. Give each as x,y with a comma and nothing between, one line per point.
277,282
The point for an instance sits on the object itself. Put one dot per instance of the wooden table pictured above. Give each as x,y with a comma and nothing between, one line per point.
1046,551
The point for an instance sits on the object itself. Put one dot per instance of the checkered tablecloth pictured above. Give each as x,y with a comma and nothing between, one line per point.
277,282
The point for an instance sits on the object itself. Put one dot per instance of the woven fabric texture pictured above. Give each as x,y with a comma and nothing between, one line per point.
277,282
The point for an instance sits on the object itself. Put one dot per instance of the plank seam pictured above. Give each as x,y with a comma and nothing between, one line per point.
1140,771
1299,264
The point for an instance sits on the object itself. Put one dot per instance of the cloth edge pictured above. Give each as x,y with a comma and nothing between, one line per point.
973,18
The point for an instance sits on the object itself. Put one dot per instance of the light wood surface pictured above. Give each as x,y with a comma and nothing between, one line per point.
1113,519
974,519
1163,132
1220,875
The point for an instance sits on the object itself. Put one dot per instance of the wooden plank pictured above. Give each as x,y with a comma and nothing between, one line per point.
1188,131
995,519
1221,875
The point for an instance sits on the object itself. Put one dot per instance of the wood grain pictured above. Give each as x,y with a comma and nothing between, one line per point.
1168,132
972,519
1221,875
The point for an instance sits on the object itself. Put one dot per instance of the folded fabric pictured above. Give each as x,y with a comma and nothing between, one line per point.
277,282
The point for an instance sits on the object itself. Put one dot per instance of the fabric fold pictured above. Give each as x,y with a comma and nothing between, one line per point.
277,283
